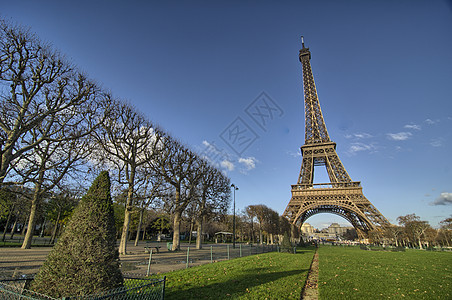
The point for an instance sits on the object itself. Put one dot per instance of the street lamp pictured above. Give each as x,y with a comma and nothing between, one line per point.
234,187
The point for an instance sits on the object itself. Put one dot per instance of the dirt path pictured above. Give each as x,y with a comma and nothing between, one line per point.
310,290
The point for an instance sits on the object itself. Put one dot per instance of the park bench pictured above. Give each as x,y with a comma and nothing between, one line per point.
148,248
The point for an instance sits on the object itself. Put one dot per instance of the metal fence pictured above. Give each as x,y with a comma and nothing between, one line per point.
17,267
188,256
134,288
145,259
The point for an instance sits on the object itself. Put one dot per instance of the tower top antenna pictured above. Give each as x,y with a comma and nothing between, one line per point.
302,41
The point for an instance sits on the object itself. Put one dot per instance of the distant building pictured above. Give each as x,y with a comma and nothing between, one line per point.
307,229
334,232
336,229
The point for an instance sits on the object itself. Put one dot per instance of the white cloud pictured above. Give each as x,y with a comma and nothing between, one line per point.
216,156
358,147
249,163
412,126
360,135
401,136
443,199
430,121
228,165
294,154
436,142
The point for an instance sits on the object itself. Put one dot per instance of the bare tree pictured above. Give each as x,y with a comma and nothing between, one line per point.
8,202
152,188
214,196
414,227
260,211
61,155
284,226
251,214
271,224
45,103
394,233
21,209
177,165
36,84
127,141
429,236
59,208
445,232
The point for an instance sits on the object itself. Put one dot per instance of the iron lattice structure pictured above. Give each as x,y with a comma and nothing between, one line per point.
341,196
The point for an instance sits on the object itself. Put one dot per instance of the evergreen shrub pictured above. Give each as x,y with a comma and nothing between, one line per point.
85,259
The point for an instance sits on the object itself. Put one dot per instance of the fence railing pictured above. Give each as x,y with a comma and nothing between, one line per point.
189,256
142,260
134,288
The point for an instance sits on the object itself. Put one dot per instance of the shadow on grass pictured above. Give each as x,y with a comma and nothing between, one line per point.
305,250
231,288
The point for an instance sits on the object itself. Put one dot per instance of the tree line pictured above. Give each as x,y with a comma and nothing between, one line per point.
411,231
59,129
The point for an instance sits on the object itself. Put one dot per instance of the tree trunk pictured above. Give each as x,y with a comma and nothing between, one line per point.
139,227
241,233
252,231
33,214
55,230
43,228
24,227
176,230
7,223
260,234
13,231
292,233
6,158
127,217
125,232
191,230
199,237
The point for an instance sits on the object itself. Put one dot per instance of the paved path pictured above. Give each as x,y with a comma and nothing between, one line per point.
16,261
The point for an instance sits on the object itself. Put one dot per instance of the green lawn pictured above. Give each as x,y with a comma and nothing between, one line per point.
262,276
351,273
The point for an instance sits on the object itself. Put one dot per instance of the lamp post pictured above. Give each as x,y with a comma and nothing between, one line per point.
234,187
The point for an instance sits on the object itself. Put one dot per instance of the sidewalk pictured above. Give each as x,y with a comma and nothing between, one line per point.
16,261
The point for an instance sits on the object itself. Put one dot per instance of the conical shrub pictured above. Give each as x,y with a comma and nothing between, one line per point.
85,259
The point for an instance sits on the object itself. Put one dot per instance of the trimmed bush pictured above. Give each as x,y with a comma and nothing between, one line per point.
85,259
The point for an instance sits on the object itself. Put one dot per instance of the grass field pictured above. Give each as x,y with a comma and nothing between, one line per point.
263,276
351,273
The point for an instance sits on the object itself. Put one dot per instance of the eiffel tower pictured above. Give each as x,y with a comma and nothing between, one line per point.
341,196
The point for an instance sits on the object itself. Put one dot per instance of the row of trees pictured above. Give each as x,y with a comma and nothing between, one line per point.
255,224
414,232
59,129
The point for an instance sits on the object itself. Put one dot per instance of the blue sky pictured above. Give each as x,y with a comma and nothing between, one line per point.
383,71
